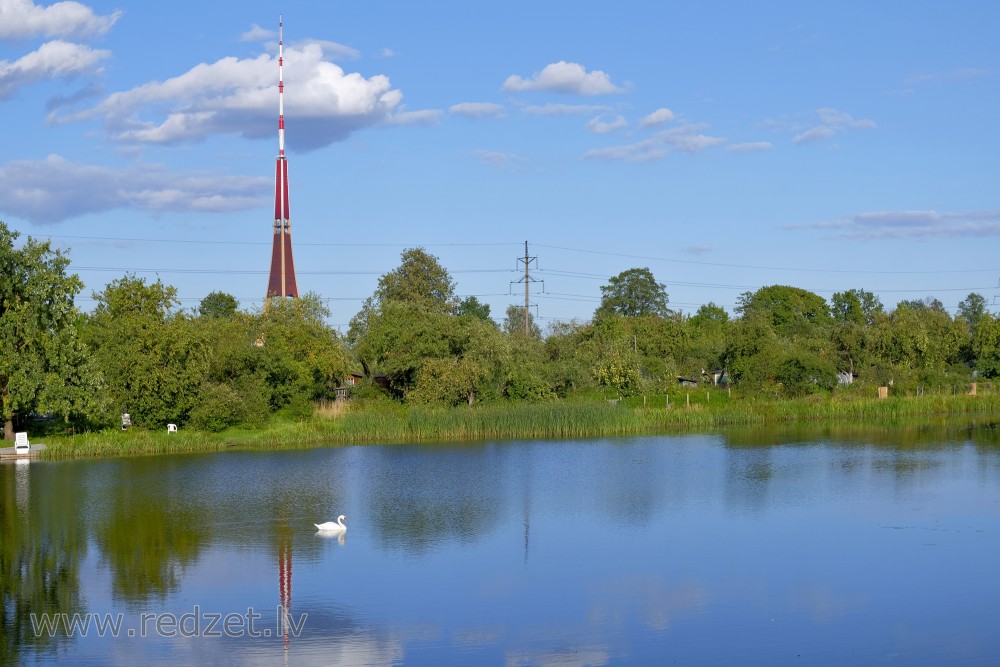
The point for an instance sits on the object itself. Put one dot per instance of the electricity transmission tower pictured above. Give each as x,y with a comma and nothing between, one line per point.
527,280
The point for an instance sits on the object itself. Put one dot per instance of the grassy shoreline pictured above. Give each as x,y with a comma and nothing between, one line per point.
386,423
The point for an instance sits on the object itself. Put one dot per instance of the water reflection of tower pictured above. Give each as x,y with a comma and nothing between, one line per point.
526,499
285,585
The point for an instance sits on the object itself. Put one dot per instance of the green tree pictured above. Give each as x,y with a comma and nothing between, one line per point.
788,308
419,279
303,357
633,293
855,305
986,346
153,359
483,363
753,352
920,342
398,337
801,373
473,307
972,309
218,304
570,357
708,331
44,367
513,323
927,303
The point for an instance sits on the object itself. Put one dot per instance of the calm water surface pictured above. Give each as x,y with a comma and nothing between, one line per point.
739,548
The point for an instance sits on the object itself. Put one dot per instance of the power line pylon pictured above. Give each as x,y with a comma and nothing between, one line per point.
527,280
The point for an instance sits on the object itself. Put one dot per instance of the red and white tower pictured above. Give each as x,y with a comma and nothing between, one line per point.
281,281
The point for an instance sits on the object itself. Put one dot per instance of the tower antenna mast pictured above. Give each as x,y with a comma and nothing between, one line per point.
281,281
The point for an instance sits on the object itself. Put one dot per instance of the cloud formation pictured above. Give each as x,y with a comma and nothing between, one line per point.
566,78
21,19
658,117
554,109
750,147
910,224
832,122
477,110
684,139
599,126
55,189
52,60
258,34
501,160
323,103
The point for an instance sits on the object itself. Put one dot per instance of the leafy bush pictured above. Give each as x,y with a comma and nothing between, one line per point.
218,407
803,373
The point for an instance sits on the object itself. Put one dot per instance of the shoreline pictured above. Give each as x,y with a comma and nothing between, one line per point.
388,423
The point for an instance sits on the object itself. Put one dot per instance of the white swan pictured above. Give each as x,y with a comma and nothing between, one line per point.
331,527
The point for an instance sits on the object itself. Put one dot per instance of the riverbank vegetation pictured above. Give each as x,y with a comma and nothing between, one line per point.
361,422
419,363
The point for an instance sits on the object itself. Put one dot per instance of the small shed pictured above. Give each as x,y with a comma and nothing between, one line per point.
687,381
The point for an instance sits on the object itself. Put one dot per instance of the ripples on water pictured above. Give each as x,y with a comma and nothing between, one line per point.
804,547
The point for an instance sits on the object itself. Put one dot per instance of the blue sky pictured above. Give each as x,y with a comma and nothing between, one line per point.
725,146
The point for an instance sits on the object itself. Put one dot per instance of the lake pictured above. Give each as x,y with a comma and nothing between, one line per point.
818,547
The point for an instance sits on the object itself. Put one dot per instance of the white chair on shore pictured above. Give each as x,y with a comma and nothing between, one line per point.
21,445
171,428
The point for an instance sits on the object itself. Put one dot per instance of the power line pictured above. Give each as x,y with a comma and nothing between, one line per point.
765,268
261,243
504,244
259,272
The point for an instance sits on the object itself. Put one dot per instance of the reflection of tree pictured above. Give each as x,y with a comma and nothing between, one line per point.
146,542
40,552
748,474
422,499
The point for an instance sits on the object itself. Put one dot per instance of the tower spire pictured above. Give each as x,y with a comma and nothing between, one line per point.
281,281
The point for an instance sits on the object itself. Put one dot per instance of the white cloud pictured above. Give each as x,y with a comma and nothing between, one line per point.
564,77
750,147
323,103
832,122
20,19
258,34
814,134
55,189
422,117
270,37
52,60
658,117
599,126
478,110
332,49
685,139
553,109
500,160
911,224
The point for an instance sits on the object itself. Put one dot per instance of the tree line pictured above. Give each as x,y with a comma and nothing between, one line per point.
415,341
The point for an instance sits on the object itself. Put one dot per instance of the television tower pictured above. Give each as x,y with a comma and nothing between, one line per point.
281,281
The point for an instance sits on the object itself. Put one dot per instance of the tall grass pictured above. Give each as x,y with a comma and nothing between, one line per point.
385,422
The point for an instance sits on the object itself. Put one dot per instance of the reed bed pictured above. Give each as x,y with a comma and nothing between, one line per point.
393,423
